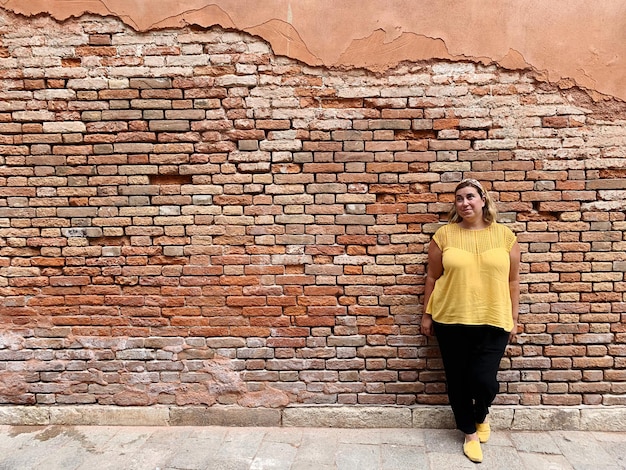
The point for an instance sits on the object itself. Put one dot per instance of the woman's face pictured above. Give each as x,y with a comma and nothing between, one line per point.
469,204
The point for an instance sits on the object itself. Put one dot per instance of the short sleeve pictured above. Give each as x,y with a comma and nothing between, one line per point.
440,237
509,238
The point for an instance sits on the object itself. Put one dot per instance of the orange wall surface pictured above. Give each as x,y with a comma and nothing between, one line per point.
570,42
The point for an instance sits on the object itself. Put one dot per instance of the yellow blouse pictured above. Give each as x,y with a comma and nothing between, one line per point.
474,286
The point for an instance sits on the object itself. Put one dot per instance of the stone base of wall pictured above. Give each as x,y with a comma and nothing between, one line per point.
502,417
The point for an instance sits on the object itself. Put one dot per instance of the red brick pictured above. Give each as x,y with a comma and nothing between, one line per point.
195,246
555,121
101,51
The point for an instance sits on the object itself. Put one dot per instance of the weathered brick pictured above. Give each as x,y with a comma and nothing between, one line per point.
281,218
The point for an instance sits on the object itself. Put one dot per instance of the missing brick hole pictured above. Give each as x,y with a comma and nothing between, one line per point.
545,214
612,173
110,241
550,216
538,216
415,135
385,198
170,179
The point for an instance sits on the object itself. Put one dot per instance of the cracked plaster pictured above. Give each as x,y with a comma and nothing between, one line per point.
568,42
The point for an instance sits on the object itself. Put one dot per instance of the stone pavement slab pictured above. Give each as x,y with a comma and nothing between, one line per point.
59,447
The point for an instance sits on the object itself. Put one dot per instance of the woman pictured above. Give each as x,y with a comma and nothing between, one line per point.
471,304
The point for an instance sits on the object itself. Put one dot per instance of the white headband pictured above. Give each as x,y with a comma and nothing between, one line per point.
474,183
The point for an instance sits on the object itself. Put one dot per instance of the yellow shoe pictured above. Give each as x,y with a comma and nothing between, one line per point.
472,451
484,431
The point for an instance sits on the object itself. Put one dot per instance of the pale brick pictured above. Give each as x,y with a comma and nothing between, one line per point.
64,127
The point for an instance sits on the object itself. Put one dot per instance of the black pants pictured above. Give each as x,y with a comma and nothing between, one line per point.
471,358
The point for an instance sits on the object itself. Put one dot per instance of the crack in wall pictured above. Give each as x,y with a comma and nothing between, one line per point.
181,17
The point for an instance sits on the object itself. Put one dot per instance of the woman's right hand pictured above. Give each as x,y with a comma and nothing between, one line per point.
427,324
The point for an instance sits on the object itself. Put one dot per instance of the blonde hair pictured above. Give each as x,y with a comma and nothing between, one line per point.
490,212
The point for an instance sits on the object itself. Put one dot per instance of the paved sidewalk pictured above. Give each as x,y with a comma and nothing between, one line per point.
293,448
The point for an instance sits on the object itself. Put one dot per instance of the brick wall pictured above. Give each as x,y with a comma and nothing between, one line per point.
187,219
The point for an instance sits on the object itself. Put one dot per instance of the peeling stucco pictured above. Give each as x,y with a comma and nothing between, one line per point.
568,42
